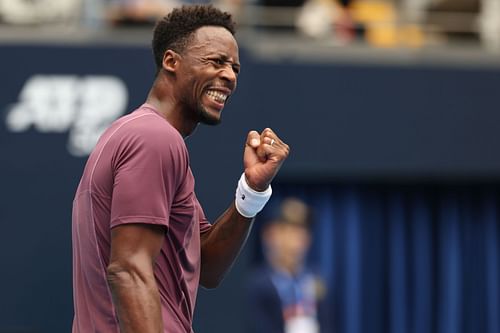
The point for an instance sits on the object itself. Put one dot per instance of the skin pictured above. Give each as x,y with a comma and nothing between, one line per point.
210,61
286,246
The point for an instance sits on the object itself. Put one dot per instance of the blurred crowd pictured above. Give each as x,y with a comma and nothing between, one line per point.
381,23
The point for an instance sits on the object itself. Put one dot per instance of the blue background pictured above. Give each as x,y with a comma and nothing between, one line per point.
348,124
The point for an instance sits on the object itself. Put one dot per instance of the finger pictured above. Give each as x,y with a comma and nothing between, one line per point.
267,140
273,139
262,152
272,145
267,147
264,148
253,139
267,133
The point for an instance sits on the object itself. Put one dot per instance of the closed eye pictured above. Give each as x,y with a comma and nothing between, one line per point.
219,61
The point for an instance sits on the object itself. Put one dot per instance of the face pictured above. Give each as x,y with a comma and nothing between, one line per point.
208,72
287,243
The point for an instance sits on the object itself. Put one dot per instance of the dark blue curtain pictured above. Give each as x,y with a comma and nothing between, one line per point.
406,259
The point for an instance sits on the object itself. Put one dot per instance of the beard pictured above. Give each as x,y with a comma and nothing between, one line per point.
207,118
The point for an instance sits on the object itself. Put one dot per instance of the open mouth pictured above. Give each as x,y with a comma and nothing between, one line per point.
217,96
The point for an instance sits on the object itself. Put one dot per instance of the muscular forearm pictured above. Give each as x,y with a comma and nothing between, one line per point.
136,300
221,245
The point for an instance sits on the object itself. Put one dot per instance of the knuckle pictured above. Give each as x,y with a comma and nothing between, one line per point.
287,150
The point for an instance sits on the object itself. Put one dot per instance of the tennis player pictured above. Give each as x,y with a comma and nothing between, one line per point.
141,242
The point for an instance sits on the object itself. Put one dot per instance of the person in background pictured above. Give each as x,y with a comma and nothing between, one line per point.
41,12
324,19
285,295
138,12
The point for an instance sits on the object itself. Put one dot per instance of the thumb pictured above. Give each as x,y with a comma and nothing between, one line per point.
252,145
253,139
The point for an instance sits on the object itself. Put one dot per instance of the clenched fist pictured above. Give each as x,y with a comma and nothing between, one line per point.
264,154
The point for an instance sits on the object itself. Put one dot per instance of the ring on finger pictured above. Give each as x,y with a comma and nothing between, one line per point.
272,142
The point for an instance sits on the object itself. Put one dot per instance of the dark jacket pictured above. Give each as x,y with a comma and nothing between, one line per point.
264,313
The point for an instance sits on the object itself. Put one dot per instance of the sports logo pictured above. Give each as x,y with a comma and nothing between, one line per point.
83,106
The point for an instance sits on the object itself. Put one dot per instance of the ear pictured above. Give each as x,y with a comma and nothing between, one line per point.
170,61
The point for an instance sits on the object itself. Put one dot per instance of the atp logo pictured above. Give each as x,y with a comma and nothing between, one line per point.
82,106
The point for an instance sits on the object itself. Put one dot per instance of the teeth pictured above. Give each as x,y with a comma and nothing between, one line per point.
217,96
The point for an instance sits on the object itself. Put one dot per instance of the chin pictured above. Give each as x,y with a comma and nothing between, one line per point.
209,119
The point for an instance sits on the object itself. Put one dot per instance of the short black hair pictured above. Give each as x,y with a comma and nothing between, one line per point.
174,31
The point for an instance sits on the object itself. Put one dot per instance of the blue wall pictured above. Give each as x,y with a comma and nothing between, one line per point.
343,122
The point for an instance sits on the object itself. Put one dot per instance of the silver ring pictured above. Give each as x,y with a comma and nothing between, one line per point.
272,142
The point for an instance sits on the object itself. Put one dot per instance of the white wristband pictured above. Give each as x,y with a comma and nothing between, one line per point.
248,201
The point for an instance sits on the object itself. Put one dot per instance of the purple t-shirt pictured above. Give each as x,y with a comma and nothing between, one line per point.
138,173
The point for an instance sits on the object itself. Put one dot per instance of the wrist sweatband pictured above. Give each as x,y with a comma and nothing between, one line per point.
248,201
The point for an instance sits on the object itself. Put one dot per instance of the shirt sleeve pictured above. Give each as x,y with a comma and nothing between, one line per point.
148,167
204,224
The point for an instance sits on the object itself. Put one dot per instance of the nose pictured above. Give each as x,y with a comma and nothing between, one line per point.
228,74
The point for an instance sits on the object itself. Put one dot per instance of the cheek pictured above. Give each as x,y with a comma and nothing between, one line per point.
194,91
199,88
194,81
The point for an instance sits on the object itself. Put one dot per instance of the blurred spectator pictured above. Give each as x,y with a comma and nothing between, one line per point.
327,18
489,25
40,11
316,18
285,295
139,12
457,19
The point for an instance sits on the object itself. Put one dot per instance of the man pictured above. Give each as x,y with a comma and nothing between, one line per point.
284,294
141,242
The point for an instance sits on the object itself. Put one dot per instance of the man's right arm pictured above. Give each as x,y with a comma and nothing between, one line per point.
130,275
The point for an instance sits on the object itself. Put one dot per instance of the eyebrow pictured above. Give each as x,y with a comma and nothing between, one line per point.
226,59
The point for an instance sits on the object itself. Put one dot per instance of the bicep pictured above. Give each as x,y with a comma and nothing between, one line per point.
131,279
136,244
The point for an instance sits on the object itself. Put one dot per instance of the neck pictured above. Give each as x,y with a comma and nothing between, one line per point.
162,98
